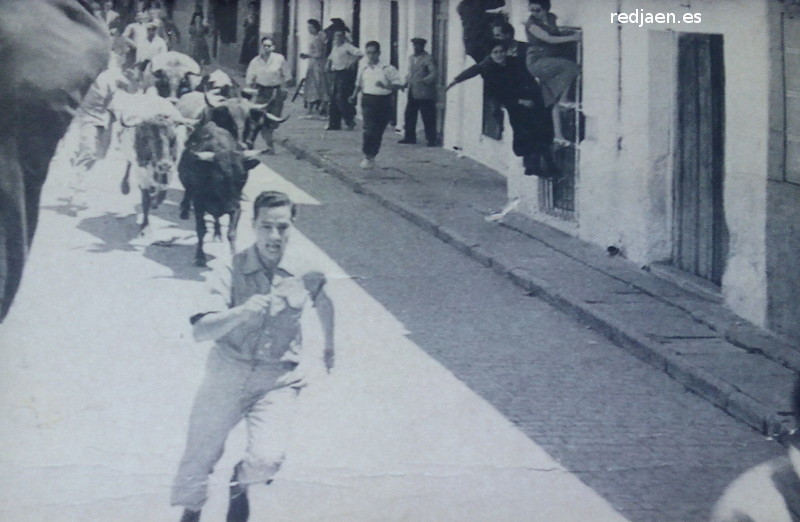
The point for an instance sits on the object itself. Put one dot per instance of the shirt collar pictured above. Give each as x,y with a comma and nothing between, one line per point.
374,66
252,264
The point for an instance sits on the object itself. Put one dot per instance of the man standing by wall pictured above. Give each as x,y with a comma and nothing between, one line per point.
342,63
269,322
377,82
421,82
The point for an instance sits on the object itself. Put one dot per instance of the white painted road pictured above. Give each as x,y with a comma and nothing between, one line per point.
98,372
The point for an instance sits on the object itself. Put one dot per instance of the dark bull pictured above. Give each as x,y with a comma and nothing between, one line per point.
213,170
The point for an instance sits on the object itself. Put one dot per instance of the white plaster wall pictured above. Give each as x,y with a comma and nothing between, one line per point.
624,195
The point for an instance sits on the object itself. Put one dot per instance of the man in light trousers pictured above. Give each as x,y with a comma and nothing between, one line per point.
273,325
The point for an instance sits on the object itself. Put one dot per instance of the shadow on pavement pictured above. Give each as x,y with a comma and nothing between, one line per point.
114,231
178,258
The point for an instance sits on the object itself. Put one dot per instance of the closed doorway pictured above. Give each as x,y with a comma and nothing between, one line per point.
700,235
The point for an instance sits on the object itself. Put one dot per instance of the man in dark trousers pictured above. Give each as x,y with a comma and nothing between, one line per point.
421,83
342,63
376,82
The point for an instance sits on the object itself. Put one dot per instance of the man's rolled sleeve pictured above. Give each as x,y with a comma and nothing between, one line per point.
216,295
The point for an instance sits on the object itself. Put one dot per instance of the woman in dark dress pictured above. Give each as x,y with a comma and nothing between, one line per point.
507,80
251,40
198,30
555,74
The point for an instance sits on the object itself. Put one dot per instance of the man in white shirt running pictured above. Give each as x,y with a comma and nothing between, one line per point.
376,82
269,74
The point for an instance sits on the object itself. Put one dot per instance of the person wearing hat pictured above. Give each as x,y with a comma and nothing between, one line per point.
421,82
149,47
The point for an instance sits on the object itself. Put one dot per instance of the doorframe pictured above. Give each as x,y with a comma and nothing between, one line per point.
720,235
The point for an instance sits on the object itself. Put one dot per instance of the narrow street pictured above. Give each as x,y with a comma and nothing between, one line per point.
455,396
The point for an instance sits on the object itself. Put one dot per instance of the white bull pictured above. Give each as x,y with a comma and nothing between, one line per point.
152,138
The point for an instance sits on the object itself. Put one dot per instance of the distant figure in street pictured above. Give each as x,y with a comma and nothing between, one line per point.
377,82
555,74
421,83
769,492
343,65
198,31
93,124
149,47
269,74
250,43
315,88
110,16
272,323
507,79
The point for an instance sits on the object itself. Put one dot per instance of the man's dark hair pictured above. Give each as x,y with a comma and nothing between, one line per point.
267,38
375,45
544,3
506,28
272,199
314,23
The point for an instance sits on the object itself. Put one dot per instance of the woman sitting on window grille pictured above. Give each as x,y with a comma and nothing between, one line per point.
555,74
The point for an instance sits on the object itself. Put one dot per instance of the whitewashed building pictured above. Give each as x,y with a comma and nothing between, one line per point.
690,157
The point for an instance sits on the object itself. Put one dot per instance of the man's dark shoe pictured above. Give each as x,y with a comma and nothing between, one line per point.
190,516
407,141
239,507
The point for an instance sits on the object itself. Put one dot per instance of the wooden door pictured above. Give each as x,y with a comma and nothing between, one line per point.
439,51
701,237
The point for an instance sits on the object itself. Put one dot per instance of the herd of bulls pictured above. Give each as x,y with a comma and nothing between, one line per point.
51,52
212,161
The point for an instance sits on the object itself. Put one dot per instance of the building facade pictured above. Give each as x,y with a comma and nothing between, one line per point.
687,154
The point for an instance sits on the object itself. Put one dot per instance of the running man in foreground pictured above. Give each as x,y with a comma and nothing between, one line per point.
274,335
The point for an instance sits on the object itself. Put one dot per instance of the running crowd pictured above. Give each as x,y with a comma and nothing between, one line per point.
531,80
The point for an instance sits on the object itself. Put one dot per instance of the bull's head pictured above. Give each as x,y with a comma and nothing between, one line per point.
229,175
171,73
156,147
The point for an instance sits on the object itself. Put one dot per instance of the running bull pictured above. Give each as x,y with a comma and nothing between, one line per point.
153,126
213,170
51,52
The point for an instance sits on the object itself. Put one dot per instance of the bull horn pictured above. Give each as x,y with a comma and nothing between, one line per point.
204,155
276,119
217,101
251,153
255,106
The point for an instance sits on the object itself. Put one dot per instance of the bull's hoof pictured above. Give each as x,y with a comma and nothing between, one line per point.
184,213
200,262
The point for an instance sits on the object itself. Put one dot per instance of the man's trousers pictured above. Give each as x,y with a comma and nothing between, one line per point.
232,391
428,110
377,112
344,82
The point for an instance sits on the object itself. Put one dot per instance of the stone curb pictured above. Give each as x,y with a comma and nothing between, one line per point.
721,394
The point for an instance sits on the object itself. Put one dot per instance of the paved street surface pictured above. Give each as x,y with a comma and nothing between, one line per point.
456,396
